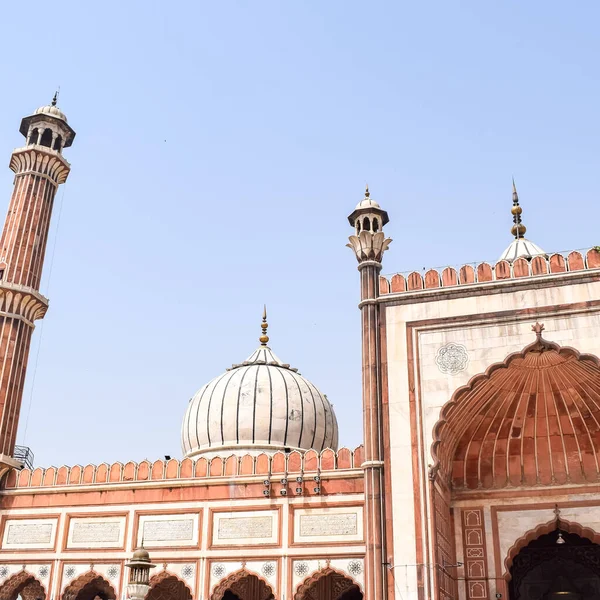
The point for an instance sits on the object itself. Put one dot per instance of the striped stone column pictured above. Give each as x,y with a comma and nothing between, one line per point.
369,244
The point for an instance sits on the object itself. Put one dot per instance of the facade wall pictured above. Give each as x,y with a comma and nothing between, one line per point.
200,529
437,340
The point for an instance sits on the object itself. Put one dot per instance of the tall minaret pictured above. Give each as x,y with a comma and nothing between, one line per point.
39,169
369,243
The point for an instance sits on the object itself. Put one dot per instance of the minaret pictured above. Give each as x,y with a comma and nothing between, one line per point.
369,243
39,169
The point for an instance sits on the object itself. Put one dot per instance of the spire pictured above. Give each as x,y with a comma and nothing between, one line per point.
264,338
518,229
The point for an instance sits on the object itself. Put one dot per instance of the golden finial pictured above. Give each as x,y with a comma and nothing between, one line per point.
264,338
367,193
518,229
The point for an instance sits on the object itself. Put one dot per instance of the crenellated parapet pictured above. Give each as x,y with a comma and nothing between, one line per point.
40,160
326,463
471,274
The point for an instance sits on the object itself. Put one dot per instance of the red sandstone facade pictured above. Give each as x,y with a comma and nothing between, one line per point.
480,471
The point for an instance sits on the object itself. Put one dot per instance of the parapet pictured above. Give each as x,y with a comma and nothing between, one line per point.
325,462
451,277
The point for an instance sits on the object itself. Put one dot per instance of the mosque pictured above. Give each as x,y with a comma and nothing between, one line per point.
479,476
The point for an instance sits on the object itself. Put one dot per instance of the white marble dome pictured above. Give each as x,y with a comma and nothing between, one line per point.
260,405
521,248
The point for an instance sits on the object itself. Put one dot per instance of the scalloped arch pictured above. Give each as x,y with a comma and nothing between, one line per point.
18,583
542,529
484,434
167,586
87,586
238,582
303,589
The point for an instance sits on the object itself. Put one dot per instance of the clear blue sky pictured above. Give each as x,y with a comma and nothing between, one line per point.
220,147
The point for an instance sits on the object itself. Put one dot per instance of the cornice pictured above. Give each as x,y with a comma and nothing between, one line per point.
40,160
22,302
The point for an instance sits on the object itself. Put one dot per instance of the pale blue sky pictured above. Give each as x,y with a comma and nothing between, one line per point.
220,147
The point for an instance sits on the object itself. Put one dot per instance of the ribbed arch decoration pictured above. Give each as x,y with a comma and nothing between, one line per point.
328,584
243,585
166,586
22,584
89,586
532,419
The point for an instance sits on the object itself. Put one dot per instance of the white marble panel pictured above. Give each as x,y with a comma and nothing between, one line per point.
29,533
168,530
96,532
335,524
245,527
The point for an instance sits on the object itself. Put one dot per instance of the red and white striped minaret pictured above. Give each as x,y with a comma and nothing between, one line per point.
369,243
39,169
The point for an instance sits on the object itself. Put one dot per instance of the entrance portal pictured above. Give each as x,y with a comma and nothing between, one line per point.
556,566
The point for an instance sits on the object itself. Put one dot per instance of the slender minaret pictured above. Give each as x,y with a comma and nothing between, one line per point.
39,169
369,243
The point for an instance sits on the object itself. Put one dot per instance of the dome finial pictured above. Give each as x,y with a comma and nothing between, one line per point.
55,99
518,229
264,338
367,193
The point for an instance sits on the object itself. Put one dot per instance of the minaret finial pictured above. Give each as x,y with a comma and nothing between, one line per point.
264,338
518,229
55,99
367,193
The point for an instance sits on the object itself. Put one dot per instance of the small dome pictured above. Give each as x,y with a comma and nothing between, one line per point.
521,248
51,111
141,554
261,404
367,202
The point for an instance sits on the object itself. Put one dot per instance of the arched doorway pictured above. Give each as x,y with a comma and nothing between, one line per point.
243,585
168,587
556,566
328,585
89,586
24,585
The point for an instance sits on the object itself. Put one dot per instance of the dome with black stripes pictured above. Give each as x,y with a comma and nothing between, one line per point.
261,405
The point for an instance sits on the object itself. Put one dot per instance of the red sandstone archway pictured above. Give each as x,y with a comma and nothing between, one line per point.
22,584
328,584
89,586
244,585
165,586
532,419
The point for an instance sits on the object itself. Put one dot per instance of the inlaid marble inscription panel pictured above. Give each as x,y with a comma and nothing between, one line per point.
168,530
29,533
96,532
316,525
257,527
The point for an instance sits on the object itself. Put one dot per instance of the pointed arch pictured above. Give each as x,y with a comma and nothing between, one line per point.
341,584
487,437
166,586
245,585
87,586
24,584
543,529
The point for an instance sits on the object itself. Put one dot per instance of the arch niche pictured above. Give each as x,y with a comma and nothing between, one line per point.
22,584
532,419
165,586
89,586
243,585
557,561
328,584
